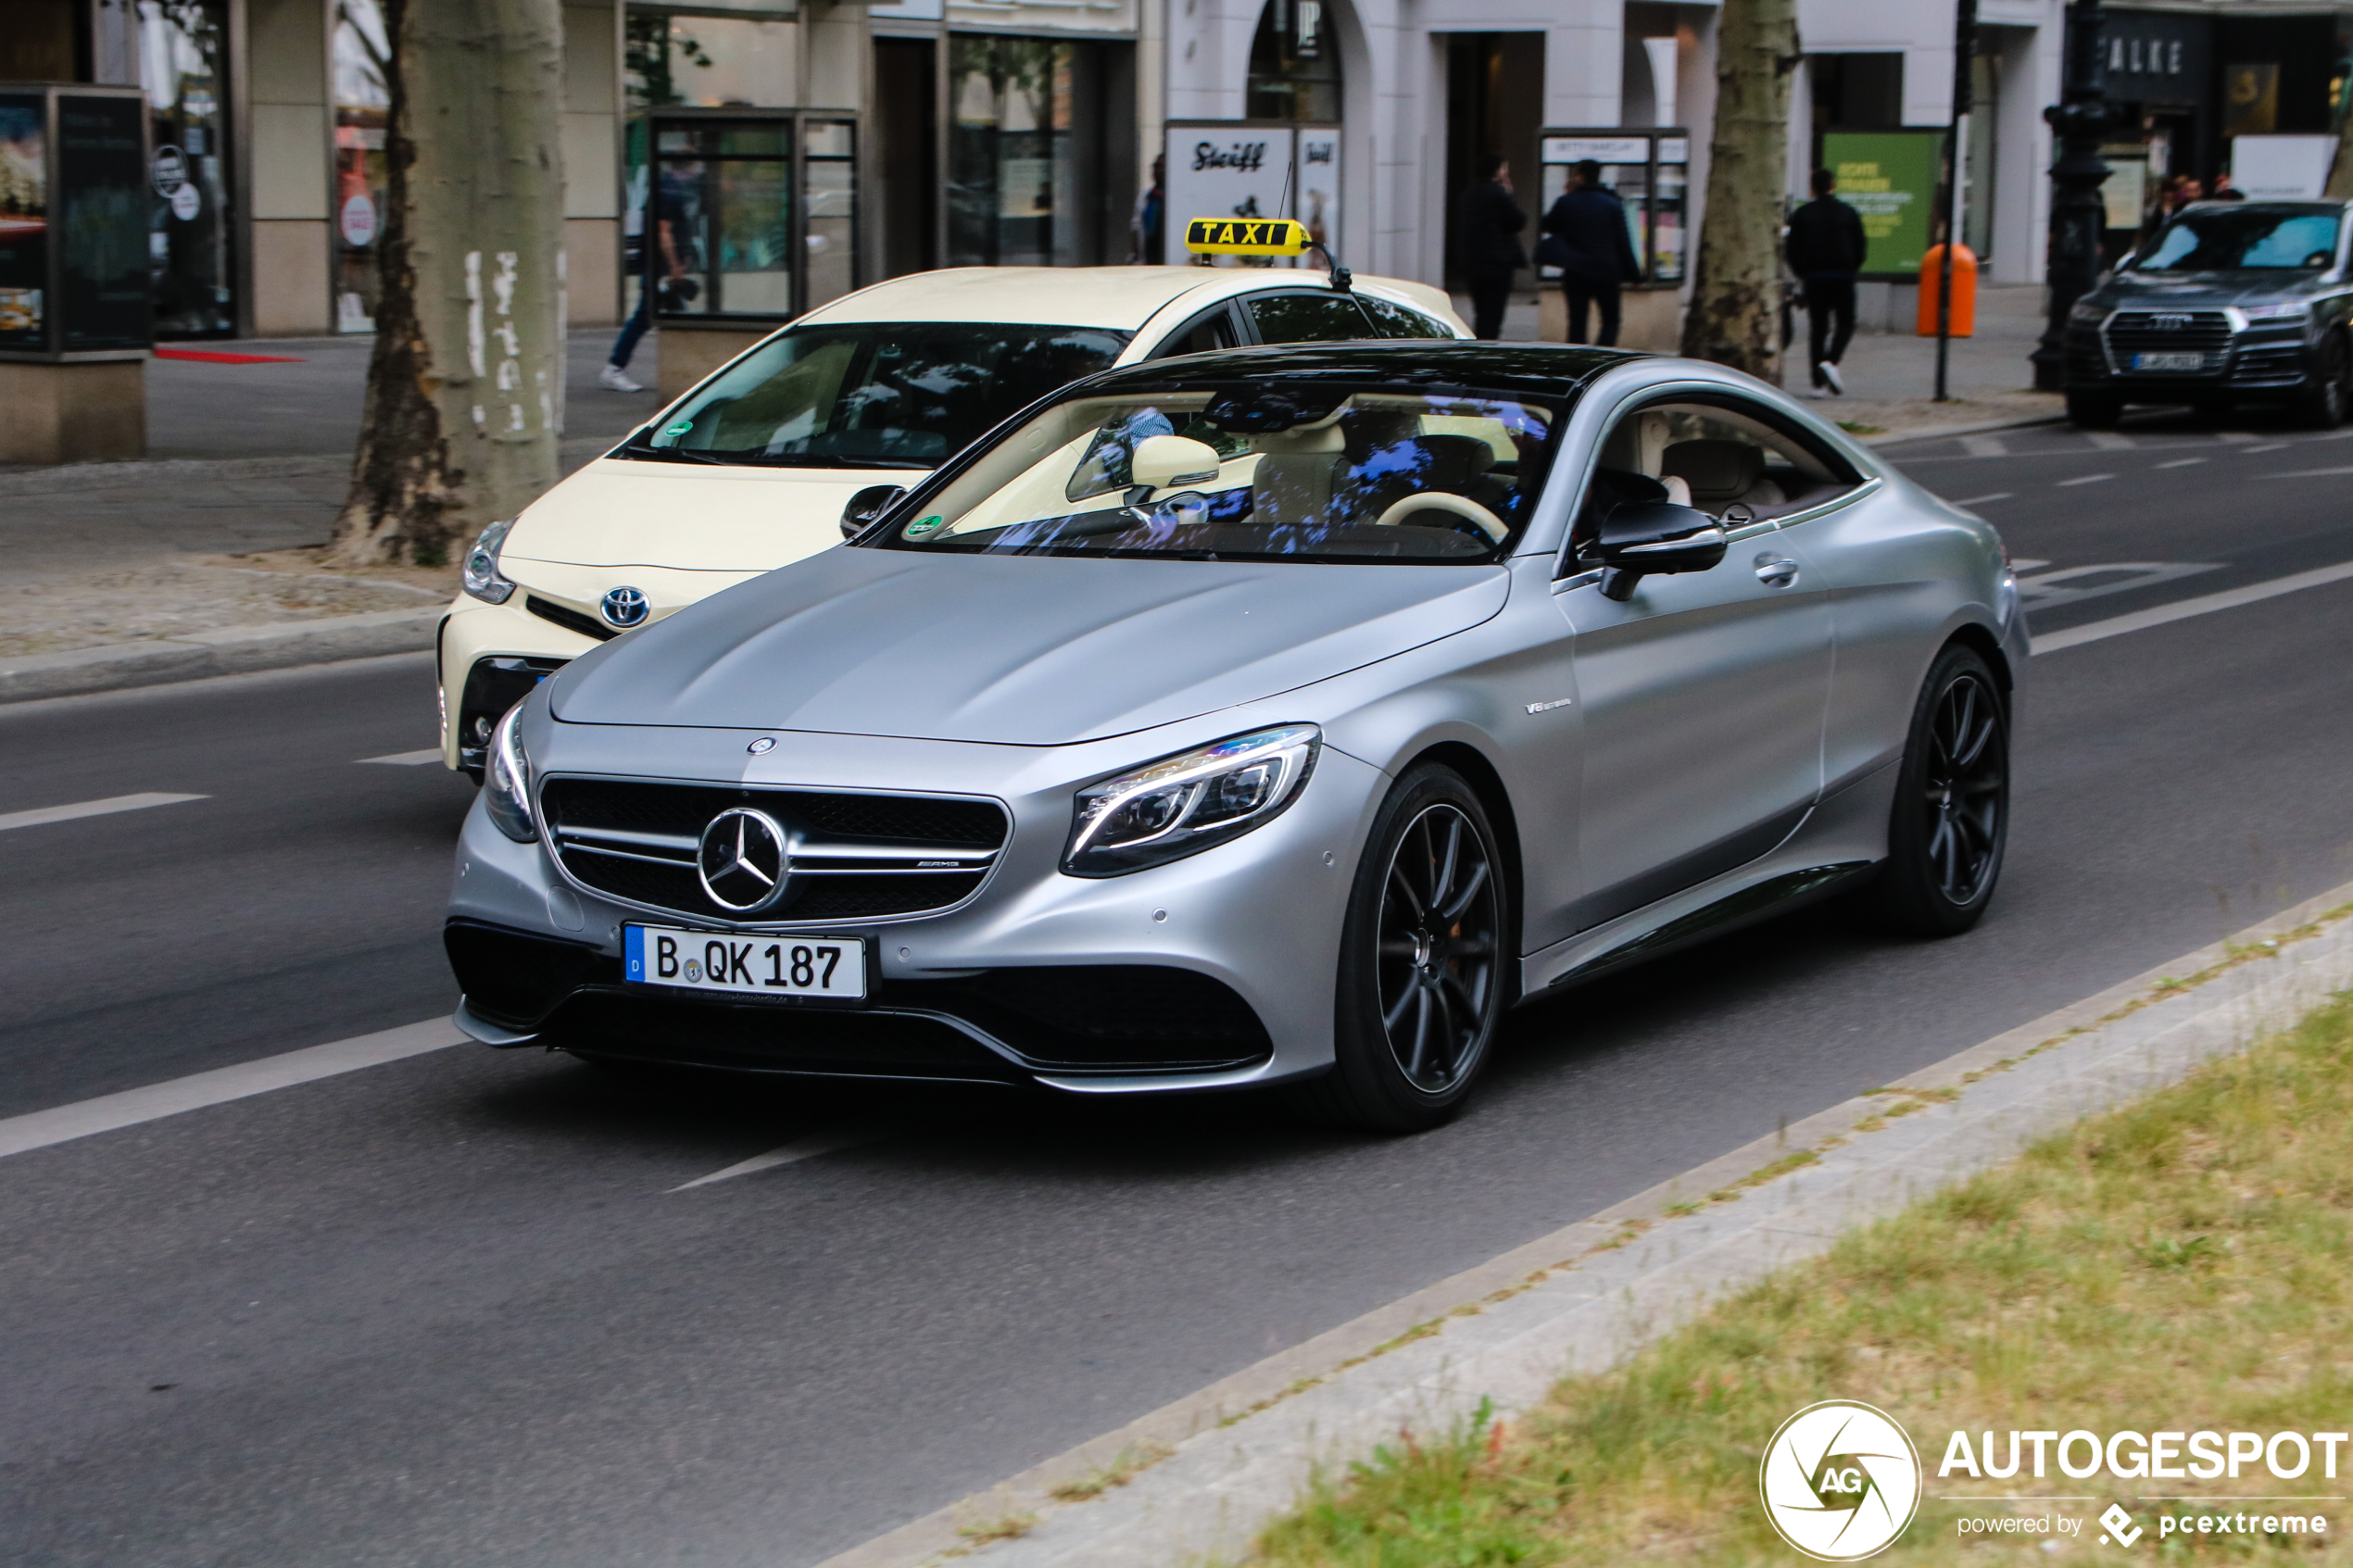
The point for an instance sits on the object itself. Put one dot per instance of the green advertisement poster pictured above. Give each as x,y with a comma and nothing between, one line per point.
1890,178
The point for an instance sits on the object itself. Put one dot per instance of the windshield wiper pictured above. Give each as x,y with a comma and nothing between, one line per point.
666,453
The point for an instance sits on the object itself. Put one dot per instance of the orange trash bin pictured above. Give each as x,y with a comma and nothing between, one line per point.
1964,318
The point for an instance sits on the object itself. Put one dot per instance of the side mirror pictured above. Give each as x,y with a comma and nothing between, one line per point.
1641,539
866,506
1163,460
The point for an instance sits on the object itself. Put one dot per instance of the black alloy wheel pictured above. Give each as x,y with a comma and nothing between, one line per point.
1951,819
1425,960
2324,406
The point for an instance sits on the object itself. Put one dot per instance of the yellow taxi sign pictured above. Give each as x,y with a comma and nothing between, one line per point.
1246,236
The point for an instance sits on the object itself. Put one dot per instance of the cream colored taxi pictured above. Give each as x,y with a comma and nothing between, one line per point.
757,465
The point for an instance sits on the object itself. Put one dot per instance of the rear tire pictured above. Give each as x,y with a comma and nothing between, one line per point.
2094,410
1425,962
1950,823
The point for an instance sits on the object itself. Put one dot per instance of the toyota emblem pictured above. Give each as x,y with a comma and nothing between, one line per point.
625,607
744,860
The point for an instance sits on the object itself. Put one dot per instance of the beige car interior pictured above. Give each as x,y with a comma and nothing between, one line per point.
1728,466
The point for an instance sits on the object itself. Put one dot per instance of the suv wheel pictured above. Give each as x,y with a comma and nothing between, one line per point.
2324,408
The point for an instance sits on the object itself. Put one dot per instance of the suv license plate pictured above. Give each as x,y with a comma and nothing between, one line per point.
825,968
2169,361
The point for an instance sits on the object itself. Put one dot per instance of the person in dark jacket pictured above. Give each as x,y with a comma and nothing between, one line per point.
1596,251
1487,226
1825,249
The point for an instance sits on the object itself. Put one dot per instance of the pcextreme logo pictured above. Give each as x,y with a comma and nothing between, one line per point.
1839,1481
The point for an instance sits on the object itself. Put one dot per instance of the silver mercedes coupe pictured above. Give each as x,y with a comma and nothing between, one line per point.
1274,717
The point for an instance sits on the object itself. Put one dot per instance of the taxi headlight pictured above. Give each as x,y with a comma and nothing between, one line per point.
1183,804
506,783
483,579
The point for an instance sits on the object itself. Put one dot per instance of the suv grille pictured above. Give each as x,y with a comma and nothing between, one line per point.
2202,332
855,856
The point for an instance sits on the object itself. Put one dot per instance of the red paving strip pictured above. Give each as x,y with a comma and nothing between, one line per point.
212,359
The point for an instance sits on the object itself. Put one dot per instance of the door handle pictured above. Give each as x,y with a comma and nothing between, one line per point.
1776,571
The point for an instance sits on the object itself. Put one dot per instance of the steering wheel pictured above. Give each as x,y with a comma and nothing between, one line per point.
1466,509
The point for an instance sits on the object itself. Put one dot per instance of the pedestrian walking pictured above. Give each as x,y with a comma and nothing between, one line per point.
1147,226
1825,249
1487,222
662,252
1595,250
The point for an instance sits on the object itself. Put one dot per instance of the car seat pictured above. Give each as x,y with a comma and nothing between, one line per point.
1720,474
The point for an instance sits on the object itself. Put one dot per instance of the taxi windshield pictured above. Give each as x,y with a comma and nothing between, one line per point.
887,395
2207,240
1263,471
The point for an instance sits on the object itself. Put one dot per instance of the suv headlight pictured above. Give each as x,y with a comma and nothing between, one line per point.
505,781
2087,312
483,579
1183,804
2290,310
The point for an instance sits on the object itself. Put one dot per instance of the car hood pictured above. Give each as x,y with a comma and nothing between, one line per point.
2210,290
692,517
1014,650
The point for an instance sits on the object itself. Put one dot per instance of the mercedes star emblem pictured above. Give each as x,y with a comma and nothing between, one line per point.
744,860
764,743
625,607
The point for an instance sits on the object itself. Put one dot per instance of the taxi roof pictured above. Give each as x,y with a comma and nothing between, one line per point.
1121,297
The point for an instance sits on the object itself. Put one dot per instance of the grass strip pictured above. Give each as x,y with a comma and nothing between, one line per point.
2183,1263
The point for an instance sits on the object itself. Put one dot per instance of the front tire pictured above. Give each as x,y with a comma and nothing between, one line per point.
1951,819
1424,963
2324,406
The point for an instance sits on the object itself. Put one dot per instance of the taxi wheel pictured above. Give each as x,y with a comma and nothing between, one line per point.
1952,815
2324,406
1424,962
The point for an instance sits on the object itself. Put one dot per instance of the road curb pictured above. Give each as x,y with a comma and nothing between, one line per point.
1217,1465
1939,432
227,650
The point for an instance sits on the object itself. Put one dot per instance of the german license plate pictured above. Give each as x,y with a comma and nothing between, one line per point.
2169,361
827,968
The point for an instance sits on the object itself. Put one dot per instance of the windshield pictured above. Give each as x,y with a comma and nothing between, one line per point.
2209,241
1286,472
895,395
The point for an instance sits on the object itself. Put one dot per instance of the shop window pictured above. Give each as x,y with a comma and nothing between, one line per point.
362,105
754,215
1294,64
1032,155
38,42
183,56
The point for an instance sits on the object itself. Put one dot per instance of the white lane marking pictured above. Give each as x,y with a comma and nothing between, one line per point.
107,1113
1981,500
2309,473
786,1154
2274,446
2237,437
2180,462
1985,446
107,807
2229,598
2085,479
408,758
2108,577
2023,565
2106,442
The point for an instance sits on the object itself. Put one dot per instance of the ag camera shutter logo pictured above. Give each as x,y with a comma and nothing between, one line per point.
1839,1481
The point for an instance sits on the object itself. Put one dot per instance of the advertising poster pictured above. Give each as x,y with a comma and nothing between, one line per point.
24,220
101,205
1226,170
1889,177
1315,190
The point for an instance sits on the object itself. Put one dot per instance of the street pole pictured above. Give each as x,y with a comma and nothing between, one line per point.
1964,84
2078,218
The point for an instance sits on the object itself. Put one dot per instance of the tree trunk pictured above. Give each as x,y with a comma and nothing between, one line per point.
465,387
1736,294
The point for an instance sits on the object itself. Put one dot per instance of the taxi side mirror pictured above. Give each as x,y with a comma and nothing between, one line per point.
866,506
1163,460
1638,539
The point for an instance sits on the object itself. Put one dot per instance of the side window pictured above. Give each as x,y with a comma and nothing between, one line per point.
1309,318
1392,319
1730,458
1205,333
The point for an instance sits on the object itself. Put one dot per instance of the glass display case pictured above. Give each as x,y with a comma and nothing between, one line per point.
754,215
74,191
1648,167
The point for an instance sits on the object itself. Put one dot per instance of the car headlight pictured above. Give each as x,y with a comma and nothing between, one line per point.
1183,804
2291,309
2087,311
483,579
506,783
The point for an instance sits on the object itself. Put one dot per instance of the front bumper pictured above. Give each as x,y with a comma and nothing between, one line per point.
489,658
1216,970
2263,363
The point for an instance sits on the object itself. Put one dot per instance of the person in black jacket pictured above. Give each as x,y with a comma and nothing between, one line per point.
1825,250
1487,227
1596,250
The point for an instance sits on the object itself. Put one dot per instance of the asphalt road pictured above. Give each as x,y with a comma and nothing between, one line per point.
450,1310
